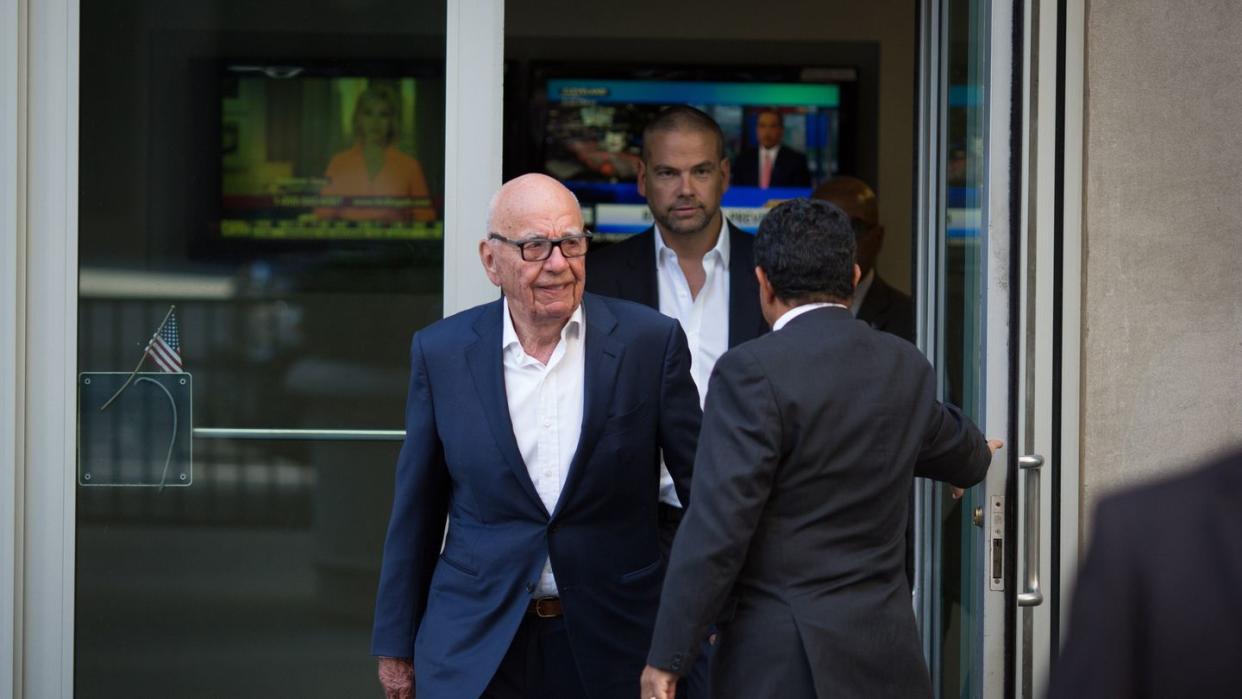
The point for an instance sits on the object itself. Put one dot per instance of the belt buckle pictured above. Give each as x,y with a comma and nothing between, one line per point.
539,608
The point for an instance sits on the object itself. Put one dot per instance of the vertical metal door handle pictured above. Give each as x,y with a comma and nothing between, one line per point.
1031,596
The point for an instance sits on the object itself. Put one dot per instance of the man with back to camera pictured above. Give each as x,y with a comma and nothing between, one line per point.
811,437
692,264
771,164
877,303
535,424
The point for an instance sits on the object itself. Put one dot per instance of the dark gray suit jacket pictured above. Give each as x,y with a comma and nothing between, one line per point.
627,270
795,535
1156,610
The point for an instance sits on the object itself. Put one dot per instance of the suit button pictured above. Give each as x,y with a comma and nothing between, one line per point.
530,587
554,528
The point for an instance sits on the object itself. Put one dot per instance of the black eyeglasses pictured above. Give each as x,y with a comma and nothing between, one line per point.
540,249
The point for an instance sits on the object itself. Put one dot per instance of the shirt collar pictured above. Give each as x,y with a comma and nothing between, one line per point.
721,247
770,152
799,310
509,341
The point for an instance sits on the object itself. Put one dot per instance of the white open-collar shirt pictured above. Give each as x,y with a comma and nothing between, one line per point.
545,407
704,318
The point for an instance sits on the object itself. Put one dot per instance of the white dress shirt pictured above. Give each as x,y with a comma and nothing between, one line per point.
704,318
545,407
799,310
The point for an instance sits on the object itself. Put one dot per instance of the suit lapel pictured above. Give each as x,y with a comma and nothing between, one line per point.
602,360
487,370
745,318
641,285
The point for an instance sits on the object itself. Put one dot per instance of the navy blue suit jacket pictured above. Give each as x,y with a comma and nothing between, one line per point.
456,611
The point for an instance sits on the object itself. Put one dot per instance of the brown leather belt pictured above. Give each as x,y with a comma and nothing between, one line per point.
546,607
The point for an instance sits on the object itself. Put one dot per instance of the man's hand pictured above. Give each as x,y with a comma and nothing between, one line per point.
658,684
397,676
993,445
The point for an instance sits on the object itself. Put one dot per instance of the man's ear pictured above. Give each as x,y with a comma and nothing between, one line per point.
642,178
727,170
487,255
857,274
767,295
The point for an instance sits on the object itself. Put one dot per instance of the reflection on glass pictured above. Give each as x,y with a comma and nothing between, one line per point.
281,181
963,227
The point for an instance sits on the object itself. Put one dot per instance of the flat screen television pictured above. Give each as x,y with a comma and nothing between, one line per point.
592,136
322,152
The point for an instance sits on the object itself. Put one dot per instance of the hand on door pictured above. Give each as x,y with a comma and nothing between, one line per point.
993,445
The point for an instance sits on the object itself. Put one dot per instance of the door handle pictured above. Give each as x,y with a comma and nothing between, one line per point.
1031,596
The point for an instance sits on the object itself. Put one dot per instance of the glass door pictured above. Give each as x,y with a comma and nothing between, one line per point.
260,195
965,232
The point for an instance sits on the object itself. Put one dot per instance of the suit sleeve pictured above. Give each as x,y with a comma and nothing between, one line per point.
1106,626
680,416
416,527
953,450
739,452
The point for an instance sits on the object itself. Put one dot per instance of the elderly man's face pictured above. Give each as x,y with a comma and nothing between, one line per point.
539,292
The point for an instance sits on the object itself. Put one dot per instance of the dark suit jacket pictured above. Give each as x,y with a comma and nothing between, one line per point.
1157,612
796,527
627,270
455,612
885,308
789,169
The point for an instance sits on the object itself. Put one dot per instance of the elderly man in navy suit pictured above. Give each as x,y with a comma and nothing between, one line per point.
535,423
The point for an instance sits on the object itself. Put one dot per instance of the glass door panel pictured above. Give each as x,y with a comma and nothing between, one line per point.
960,277
275,171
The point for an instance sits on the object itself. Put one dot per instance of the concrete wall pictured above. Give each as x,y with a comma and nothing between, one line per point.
892,23
1162,367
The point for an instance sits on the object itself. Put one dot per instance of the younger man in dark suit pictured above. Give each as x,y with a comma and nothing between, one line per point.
794,540
693,265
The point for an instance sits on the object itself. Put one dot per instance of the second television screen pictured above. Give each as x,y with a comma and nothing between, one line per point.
593,139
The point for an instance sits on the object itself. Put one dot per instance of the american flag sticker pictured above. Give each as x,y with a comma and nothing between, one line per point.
165,347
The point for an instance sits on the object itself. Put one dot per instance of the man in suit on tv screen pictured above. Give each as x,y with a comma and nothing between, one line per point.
771,164
535,424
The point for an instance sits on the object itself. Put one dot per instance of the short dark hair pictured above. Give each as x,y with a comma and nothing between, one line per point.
806,248
683,117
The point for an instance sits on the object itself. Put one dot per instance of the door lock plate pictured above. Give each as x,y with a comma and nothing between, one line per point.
996,547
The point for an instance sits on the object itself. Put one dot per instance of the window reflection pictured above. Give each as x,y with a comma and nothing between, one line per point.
208,133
